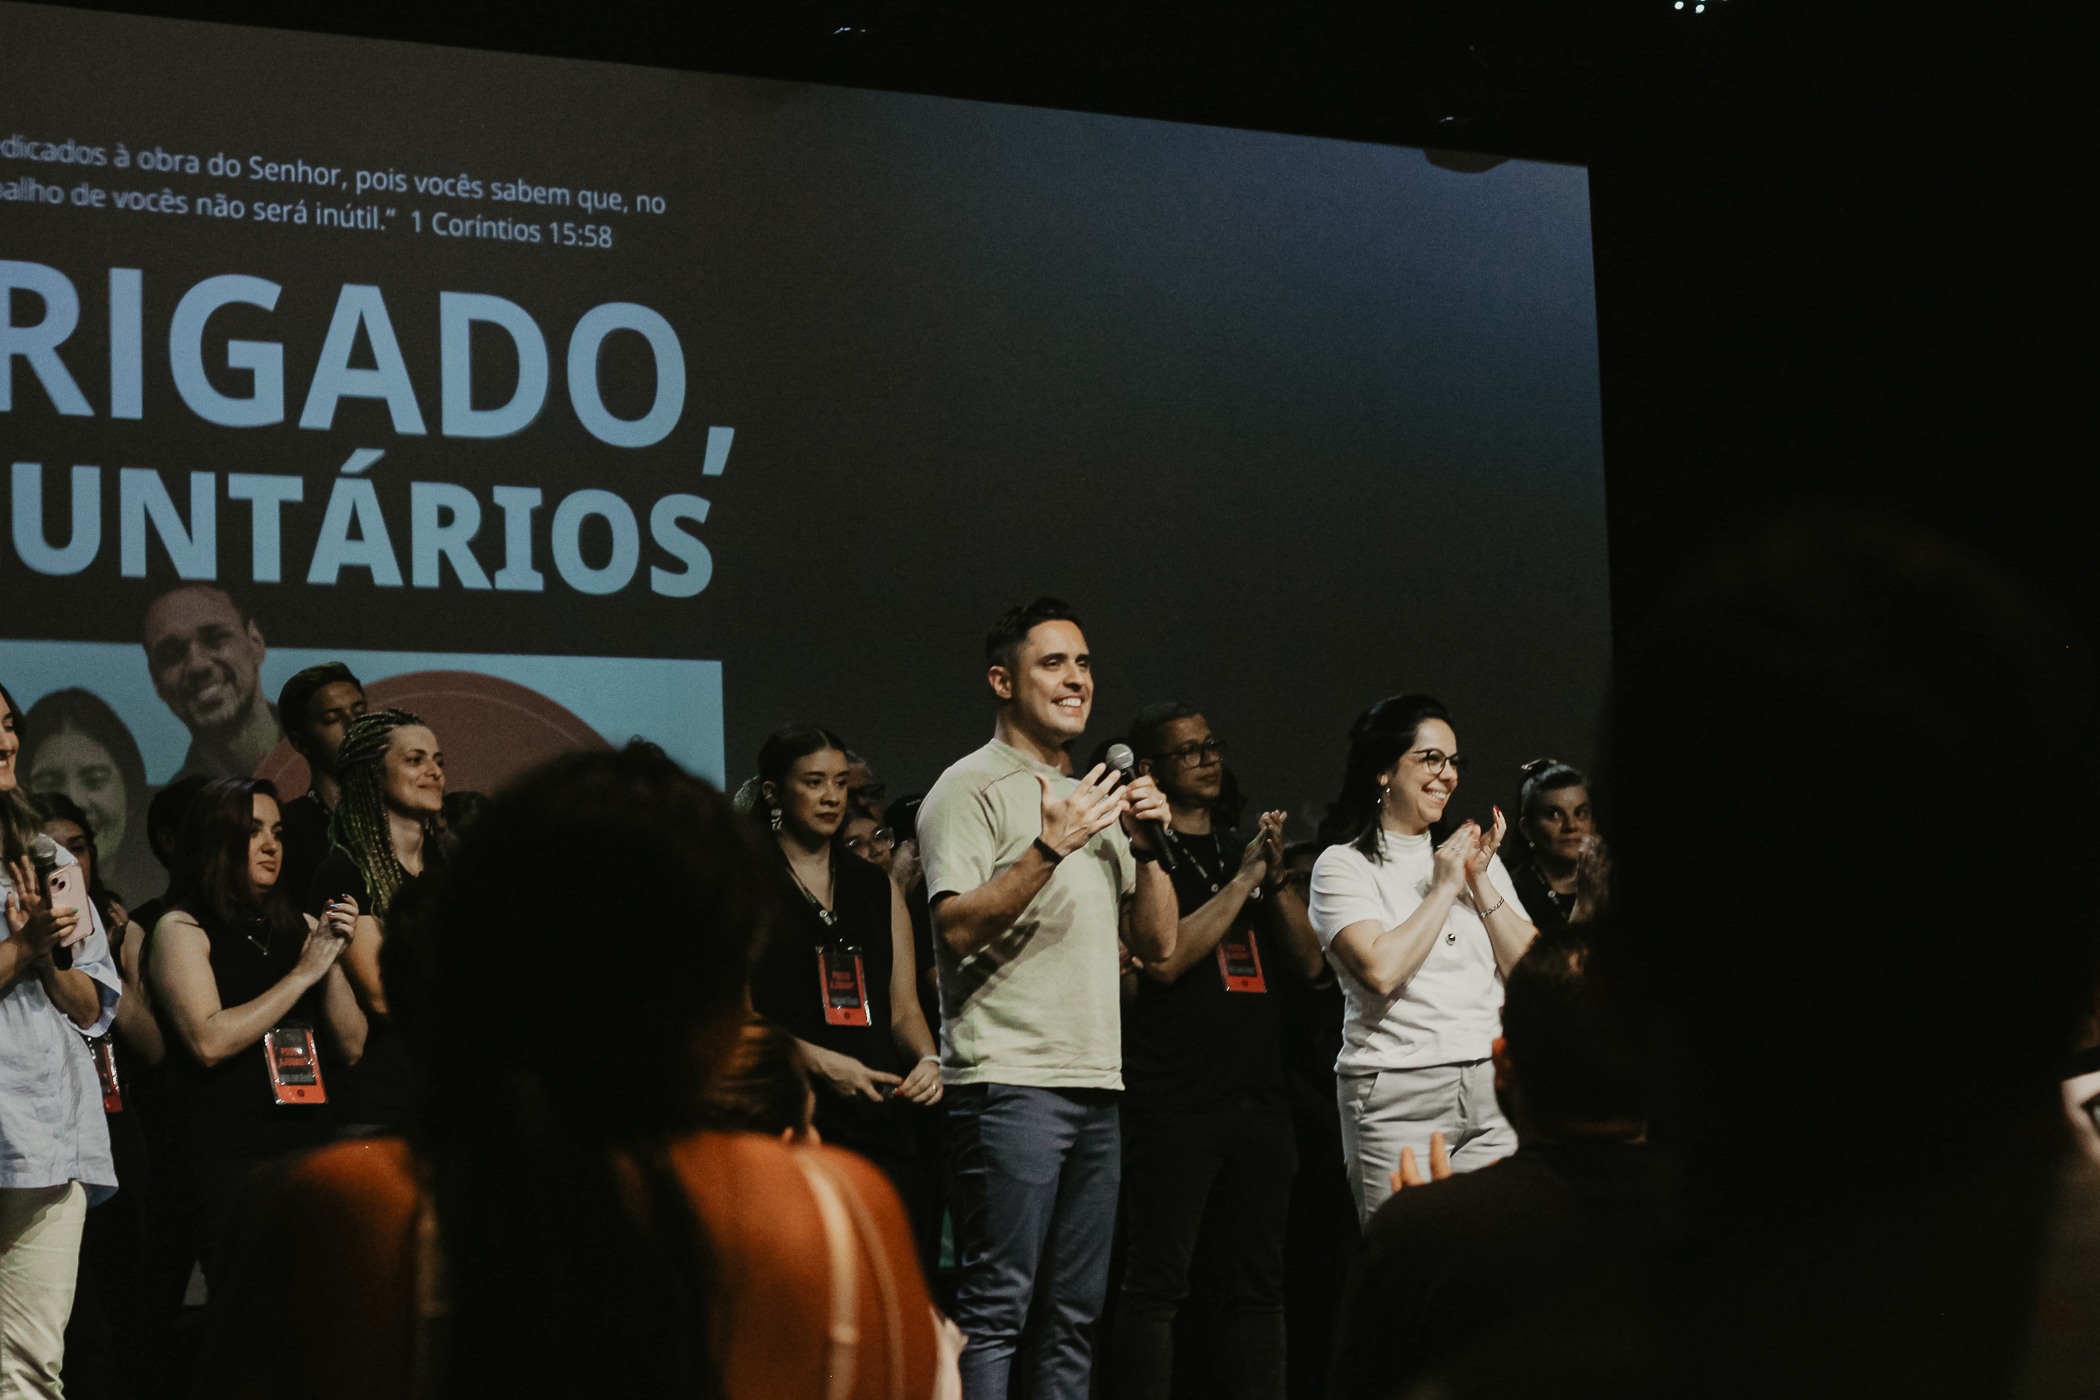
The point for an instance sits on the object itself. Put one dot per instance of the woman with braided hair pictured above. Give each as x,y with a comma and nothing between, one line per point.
382,838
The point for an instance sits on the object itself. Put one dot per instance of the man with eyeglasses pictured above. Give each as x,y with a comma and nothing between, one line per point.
1208,1147
864,796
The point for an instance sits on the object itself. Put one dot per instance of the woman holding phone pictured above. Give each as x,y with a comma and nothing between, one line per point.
113,1323
1422,925
135,1031
253,1000
58,985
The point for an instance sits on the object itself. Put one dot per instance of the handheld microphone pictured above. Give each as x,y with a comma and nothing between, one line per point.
43,854
1124,761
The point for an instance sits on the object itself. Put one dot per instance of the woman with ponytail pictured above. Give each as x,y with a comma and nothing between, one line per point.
383,838
561,1221
1567,881
1422,923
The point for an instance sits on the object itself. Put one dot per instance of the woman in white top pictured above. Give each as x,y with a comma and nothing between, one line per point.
1421,936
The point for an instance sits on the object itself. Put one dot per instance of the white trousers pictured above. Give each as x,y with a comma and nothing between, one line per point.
39,1262
1396,1108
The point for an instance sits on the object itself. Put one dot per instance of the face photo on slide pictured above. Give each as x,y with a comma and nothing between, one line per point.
205,655
79,747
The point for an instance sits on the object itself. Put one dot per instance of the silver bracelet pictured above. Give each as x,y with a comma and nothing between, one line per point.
1498,904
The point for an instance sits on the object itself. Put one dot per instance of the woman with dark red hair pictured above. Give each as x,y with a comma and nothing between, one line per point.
576,1210
253,1001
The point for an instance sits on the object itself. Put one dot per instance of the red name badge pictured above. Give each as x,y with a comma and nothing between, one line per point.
843,985
106,1070
295,1070
1239,960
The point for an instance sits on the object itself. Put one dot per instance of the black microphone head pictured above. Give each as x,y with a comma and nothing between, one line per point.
1121,758
43,853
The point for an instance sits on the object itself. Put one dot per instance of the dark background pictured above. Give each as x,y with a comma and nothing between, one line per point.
1830,240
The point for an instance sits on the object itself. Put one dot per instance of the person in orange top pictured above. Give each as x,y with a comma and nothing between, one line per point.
559,1222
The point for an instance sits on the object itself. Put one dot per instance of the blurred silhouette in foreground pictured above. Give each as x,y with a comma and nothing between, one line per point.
563,1219
1854,1040
1577,1205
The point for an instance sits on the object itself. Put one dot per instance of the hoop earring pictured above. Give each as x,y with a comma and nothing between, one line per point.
776,819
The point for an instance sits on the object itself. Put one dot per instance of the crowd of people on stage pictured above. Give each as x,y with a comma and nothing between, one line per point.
1062,1078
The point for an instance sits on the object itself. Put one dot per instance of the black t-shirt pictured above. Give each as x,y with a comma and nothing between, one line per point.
787,988
1442,1262
305,844
380,1089
1193,1044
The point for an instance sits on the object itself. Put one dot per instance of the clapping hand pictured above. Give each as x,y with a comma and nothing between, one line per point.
327,938
339,919
1454,858
1263,857
1279,872
1072,821
1485,844
1411,1175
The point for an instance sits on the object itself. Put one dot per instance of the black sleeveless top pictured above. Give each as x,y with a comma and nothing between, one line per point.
787,988
228,1110
380,1089
1548,910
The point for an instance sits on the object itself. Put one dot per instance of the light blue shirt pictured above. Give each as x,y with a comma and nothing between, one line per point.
51,1125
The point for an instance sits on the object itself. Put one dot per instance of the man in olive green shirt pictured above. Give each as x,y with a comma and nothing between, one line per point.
1033,878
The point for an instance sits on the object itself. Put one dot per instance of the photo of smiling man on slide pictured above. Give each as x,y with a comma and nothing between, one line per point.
206,654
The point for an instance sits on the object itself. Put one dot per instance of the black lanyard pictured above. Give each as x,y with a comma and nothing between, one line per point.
828,917
1217,878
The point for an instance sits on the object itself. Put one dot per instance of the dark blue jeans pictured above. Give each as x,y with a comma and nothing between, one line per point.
1036,1172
